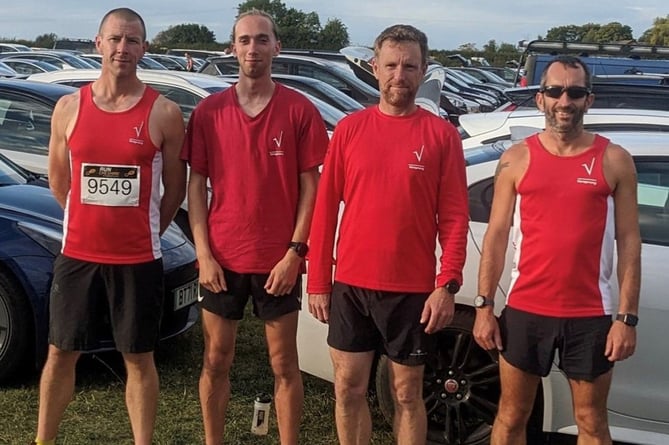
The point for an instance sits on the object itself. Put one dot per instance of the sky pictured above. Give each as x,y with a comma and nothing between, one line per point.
447,23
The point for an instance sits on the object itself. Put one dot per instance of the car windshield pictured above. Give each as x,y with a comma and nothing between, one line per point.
11,174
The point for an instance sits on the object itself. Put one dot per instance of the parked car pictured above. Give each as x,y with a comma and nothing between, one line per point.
60,59
13,48
31,230
608,94
145,63
27,67
485,76
317,88
461,382
485,128
184,88
334,73
7,71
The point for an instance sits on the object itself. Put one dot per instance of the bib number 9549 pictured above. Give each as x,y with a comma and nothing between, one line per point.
110,185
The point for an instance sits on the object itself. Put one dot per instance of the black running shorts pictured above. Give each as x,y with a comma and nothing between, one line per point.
531,341
90,303
367,320
230,304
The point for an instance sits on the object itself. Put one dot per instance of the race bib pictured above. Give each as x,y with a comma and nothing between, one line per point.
110,185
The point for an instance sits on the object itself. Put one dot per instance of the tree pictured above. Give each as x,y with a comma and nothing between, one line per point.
187,34
658,34
299,29
45,40
334,35
569,33
591,33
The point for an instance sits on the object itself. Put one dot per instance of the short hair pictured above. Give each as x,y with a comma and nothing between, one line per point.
402,33
571,62
126,14
255,12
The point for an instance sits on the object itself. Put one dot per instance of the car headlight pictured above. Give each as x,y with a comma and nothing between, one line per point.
50,239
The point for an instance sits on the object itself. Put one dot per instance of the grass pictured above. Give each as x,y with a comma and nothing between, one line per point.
97,413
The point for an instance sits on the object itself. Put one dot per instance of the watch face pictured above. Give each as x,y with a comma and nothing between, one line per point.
452,287
479,301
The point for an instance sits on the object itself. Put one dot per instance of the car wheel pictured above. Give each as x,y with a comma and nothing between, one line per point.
461,386
15,327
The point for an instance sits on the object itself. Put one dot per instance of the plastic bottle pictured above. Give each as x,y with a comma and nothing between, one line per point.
261,406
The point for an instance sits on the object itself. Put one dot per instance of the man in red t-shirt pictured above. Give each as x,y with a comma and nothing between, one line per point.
400,172
259,144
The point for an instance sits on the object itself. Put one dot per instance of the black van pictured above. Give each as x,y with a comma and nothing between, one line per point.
603,59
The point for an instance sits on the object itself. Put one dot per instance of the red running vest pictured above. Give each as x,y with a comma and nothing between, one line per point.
112,214
563,234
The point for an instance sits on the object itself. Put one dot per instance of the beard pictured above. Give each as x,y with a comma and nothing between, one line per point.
403,98
571,125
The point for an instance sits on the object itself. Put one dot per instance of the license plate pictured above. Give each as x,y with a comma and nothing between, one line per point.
185,295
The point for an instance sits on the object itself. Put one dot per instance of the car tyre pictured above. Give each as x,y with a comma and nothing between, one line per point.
15,327
461,386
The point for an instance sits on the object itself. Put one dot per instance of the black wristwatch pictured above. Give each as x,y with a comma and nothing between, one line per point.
628,319
452,286
481,301
300,248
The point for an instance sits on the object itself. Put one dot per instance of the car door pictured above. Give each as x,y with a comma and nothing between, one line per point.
640,383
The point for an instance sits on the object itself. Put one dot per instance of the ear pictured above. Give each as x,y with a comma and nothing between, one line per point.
277,48
589,101
375,68
98,42
539,99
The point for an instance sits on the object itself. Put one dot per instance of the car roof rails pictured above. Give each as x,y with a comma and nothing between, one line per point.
622,49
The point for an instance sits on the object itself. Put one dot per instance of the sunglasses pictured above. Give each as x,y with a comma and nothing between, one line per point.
555,92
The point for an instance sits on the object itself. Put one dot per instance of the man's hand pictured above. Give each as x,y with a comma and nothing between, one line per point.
319,306
486,330
283,276
621,342
211,275
438,310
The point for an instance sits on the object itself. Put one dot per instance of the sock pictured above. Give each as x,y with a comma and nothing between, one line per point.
45,442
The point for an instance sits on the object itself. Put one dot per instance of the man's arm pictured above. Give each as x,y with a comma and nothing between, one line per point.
64,115
621,341
170,120
495,241
283,276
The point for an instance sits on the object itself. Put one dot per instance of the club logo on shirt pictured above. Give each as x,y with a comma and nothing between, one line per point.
588,169
275,145
138,132
419,157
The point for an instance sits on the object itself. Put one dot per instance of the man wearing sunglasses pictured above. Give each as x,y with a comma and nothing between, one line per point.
569,193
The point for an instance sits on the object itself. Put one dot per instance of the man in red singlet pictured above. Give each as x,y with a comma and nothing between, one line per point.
571,196
259,144
400,172
112,143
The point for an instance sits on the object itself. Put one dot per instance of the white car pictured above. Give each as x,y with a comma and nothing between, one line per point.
461,382
485,128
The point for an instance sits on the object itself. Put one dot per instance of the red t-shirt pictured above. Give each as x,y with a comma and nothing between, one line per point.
253,165
564,234
112,214
402,182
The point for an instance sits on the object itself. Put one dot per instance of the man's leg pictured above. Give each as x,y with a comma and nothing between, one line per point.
55,390
351,372
219,351
590,409
288,390
519,389
141,395
410,421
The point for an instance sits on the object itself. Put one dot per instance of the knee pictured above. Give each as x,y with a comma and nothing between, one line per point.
512,418
350,390
217,362
285,368
62,359
407,394
591,421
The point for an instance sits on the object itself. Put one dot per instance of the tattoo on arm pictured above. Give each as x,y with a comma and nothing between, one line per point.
499,168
